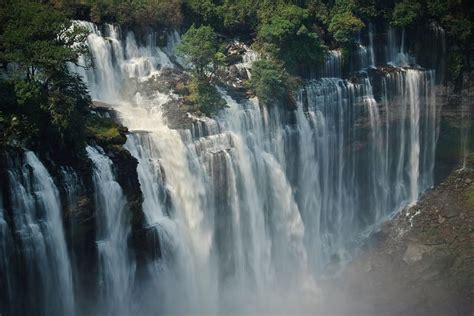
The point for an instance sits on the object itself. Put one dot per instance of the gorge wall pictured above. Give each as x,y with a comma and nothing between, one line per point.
241,213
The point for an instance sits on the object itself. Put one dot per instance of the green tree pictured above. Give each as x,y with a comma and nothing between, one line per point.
39,39
199,47
205,96
344,26
405,13
270,82
41,99
239,16
291,40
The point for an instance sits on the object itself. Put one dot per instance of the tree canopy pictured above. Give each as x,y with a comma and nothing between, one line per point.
38,40
199,48
41,100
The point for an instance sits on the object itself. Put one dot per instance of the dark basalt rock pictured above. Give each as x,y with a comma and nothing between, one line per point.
169,80
146,242
177,114
234,53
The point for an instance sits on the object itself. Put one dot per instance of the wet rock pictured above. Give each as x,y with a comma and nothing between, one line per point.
177,115
234,52
167,81
415,252
428,267
441,219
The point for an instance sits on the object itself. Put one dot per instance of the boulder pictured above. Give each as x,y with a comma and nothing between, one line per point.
415,252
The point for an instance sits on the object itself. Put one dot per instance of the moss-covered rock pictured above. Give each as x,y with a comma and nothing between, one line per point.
104,131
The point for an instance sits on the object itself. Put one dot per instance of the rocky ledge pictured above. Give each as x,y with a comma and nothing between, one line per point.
421,262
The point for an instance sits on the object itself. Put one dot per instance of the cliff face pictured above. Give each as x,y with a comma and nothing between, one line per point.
455,142
419,263
422,262
72,176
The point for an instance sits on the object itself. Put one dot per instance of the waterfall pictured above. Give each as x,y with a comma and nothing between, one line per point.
38,229
332,64
396,54
257,203
367,159
7,257
115,267
173,205
371,46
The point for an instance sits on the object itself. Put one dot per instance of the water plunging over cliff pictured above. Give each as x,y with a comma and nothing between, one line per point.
116,269
242,213
264,199
39,237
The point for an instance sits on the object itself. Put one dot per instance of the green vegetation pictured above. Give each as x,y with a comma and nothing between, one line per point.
130,13
205,96
104,131
455,64
344,26
470,195
199,48
41,100
285,33
405,13
39,41
270,82
228,16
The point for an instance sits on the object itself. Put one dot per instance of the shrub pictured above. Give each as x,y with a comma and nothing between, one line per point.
344,26
405,13
40,98
270,82
289,39
205,96
153,13
199,48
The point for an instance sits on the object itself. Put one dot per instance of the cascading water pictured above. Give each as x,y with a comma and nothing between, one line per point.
40,244
6,255
368,159
116,270
261,199
371,46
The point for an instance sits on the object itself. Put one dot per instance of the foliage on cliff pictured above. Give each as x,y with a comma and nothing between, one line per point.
199,48
136,13
104,131
295,32
42,100
43,106
270,82
286,32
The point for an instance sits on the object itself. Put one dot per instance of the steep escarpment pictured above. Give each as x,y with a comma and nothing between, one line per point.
421,262
55,203
455,143
222,174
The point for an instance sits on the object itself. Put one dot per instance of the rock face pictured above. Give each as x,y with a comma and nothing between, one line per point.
422,262
456,128
415,252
